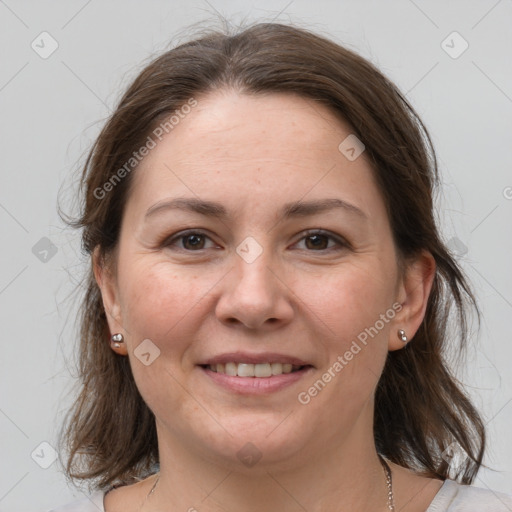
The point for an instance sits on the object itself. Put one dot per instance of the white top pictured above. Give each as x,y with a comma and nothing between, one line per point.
452,497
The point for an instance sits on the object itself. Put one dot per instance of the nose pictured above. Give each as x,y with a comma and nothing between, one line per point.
255,295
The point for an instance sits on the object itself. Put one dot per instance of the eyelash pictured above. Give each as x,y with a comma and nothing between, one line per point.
342,244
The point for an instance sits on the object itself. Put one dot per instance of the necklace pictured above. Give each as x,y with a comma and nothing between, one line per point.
151,491
387,471
385,466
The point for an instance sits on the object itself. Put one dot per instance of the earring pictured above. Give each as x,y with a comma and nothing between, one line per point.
401,335
117,339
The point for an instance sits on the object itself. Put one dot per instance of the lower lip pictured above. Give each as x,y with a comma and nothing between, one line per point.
256,385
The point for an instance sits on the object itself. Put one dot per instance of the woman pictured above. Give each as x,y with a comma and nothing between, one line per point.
266,315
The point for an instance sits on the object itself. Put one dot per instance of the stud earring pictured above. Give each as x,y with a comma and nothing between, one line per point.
117,339
401,335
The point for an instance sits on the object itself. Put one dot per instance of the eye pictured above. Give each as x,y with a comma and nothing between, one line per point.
191,241
318,240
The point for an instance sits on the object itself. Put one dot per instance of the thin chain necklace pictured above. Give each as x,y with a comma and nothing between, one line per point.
389,483
387,472
151,491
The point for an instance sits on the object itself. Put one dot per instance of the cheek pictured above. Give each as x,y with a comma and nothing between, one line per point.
345,311
158,303
347,301
161,305
171,307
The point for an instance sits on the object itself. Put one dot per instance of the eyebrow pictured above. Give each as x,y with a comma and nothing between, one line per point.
289,210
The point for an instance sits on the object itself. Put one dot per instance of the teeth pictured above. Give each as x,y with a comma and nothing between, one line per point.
253,370
246,370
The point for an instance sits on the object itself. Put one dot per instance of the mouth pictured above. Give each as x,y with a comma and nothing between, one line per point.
246,374
258,371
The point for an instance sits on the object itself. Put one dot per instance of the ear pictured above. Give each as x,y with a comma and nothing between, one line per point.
107,283
413,293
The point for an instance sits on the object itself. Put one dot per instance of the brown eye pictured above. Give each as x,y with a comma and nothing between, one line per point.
188,241
195,241
315,241
318,241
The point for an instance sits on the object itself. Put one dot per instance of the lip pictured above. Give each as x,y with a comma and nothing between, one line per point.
252,358
256,385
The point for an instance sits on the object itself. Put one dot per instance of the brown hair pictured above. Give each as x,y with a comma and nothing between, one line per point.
420,408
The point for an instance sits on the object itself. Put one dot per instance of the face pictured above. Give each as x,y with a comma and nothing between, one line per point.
291,261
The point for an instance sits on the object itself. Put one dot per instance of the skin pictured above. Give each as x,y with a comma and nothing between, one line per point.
253,154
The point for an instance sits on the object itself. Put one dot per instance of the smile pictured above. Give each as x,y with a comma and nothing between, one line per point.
254,370
262,378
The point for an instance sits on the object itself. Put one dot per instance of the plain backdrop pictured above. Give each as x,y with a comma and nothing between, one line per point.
54,104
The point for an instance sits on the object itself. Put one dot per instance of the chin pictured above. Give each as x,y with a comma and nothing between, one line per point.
256,444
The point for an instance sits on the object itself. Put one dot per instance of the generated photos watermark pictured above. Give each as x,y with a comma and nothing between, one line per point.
158,133
305,397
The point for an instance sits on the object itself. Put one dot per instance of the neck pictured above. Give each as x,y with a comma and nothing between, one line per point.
335,478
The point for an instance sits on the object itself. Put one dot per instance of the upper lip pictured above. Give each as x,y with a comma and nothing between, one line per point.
253,358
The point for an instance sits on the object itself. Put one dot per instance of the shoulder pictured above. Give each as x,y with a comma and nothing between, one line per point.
92,503
455,497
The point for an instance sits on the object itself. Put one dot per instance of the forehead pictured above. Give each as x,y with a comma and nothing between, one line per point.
239,123
251,147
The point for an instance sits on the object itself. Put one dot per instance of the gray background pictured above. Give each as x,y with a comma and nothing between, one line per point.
52,108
